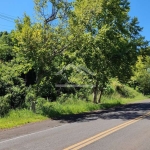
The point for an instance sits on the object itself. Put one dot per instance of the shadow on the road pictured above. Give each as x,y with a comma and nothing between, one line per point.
125,112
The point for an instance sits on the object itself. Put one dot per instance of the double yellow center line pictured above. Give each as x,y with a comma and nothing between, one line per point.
105,133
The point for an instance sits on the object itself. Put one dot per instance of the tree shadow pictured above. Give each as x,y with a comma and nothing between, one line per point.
124,112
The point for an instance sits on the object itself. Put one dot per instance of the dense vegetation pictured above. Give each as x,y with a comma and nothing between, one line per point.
54,69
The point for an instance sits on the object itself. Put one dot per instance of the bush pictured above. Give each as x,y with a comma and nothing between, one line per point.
17,97
30,97
13,86
109,90
62,98
39,105
82,94
125,91
4,105
33,102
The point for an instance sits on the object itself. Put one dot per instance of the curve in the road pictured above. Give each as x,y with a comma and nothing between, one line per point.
105,133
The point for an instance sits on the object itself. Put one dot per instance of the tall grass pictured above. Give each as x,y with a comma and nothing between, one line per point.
19,117
56,109
74,105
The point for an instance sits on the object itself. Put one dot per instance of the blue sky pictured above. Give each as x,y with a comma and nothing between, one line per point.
10,9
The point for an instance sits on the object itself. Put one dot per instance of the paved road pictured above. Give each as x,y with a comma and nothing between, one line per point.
116,129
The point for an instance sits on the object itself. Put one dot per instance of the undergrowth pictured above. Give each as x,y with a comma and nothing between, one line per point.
116,94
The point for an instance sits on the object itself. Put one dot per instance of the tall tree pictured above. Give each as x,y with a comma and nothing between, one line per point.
109,41
40,46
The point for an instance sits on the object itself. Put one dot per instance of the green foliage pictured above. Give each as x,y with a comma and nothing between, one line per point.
141,77
12,86
47,87
56,109
62,98
39,105
82,94
116,89
4,105
109,90
19,117
42,47
6,46
66,105
50,110
30,97
108,41
124,91
98,41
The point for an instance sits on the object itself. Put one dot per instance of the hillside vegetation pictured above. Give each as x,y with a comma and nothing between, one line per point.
116,94
86,55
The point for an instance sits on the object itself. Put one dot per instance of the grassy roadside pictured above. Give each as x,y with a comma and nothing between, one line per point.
19,117
71,105
57,109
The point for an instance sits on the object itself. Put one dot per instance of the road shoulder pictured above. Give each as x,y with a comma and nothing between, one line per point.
28,129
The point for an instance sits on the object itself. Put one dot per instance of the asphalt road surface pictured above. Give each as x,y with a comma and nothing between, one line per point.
120,128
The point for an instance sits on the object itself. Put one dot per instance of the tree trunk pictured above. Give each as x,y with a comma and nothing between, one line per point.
100,95
95,92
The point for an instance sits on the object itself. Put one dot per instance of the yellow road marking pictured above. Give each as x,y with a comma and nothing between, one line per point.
105,133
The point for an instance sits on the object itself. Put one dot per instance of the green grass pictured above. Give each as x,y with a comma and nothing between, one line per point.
56,109
19,117
116,99
74,106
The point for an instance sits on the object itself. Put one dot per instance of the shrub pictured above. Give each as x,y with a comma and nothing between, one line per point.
125,91
13,86
39,105
30,98
4,105
17,97
109,90
62,98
